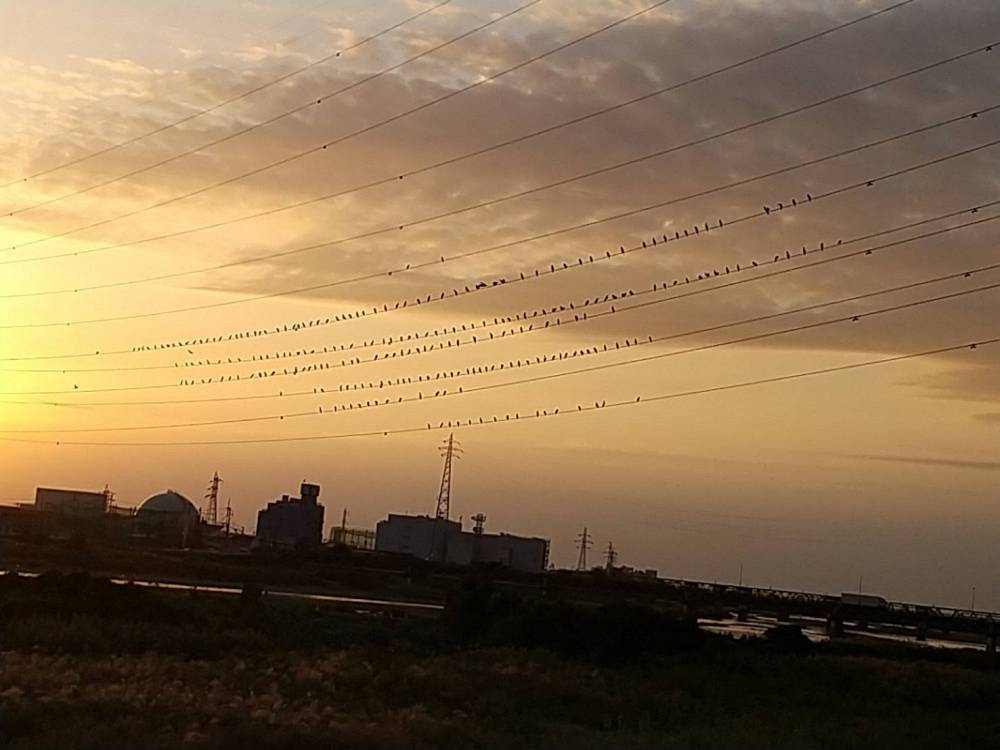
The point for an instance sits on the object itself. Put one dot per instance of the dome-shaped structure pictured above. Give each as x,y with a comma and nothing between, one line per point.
169,502
168,517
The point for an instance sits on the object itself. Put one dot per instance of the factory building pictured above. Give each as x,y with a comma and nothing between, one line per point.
79,503
443,540
420,536
292,522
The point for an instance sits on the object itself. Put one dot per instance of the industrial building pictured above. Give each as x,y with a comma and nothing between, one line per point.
65,514
440,539
292,522
443,540
81,503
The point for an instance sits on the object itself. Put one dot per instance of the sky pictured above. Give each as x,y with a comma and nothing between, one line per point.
198,193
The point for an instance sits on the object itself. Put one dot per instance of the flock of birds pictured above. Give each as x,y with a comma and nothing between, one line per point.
299,326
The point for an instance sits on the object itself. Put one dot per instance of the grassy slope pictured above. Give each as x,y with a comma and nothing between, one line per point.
89,666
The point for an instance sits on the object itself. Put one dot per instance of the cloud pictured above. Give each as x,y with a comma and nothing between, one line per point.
742,455
931,461
121,66
647,53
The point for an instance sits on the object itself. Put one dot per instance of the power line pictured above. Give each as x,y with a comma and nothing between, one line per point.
343,138
264,123
736,282
539,414
481,151
852,317
218,105
496,201
92,106
299,326
729,222
579,312
544,235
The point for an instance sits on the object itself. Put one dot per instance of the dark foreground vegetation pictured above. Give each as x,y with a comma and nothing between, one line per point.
85,663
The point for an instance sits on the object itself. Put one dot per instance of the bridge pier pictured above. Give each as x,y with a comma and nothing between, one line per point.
862,624
991,639
742,614
922,630
784,616
834,627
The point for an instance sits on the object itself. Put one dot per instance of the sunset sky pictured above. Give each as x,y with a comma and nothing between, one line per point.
887,472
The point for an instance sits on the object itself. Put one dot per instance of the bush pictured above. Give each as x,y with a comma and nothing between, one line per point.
612,633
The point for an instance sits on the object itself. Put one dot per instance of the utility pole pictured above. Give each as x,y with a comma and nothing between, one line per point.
229,515
972,606
212,496
741,574
584,543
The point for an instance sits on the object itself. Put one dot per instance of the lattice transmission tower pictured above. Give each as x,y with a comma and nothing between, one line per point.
610,556
212,496
450,450
584,542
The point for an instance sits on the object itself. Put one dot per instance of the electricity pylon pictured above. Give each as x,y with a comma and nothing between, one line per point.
584,542
212,495
450,450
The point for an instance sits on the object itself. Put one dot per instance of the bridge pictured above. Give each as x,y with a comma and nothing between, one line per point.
839,611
